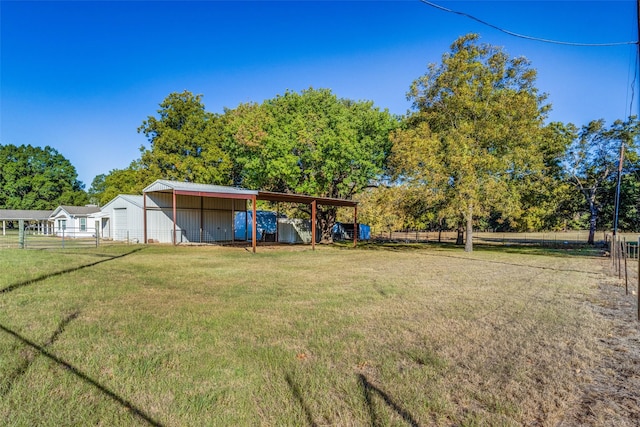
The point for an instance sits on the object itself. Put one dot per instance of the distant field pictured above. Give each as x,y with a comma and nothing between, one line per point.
380,335
549,238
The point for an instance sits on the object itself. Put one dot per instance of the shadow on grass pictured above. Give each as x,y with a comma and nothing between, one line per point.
46,276
298,395
42,351
29,358
369,390
524,250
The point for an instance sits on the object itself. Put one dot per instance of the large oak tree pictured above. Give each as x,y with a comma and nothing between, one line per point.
474,133
37,178
593,159
184,142
311,143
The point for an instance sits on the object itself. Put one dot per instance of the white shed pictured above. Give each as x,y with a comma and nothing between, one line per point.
122,218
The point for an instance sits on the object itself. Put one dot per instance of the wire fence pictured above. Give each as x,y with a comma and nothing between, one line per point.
551,238
67,238
625,263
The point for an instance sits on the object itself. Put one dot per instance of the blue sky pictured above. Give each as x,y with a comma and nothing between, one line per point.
81,76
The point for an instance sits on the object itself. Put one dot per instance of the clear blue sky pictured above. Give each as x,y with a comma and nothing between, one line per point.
81,76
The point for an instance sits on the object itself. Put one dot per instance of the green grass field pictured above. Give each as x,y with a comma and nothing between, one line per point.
379,335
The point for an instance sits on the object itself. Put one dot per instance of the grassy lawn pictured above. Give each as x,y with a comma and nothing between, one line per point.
396,335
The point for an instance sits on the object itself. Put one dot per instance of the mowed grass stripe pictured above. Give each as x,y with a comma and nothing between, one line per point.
218,336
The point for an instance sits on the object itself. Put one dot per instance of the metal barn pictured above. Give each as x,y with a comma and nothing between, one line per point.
185,212
203,213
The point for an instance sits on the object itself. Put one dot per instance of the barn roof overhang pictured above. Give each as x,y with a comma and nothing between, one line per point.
299,198
224,192
199,190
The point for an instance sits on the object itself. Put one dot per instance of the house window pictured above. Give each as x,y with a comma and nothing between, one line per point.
62,224
83,224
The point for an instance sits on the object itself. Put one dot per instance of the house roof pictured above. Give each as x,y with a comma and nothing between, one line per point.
76,210
18,214
134,199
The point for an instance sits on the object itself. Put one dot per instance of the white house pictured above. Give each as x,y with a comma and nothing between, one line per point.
74,221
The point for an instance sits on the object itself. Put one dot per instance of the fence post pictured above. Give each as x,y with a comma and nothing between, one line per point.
619,250
624,254
21,234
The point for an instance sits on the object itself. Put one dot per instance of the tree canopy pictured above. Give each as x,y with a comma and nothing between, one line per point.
474,132
474,151
310,143
593,158
37,178
184,142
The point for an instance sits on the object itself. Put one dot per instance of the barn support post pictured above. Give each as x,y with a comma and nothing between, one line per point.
144,218
201,216
246,220
277,216
355,226
254,223
175,242
233,222
313,224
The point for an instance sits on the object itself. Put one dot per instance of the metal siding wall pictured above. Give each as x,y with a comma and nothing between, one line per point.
218,226
187,202
136,222
160,225
217,219
188,225
216,203
159,200
291,230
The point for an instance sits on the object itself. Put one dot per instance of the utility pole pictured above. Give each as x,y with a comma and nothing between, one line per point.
622,143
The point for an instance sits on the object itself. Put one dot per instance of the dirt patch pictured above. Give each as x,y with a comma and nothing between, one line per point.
612,397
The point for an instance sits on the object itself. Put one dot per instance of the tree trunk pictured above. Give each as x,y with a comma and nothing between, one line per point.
593,216
468,245
460,237
326,218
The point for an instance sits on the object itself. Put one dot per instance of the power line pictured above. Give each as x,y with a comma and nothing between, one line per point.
522,36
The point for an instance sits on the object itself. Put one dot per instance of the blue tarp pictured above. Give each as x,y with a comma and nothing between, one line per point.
343,231
266,224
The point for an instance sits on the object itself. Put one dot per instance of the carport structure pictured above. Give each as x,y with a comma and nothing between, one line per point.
198,211
40,218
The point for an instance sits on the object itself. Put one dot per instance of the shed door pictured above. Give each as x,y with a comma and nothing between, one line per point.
120,226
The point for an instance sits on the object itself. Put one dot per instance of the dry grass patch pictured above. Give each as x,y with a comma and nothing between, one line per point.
218,336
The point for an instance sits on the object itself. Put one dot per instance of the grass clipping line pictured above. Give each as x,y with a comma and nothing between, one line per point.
410,336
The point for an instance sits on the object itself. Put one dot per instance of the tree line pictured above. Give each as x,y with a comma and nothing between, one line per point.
475,151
